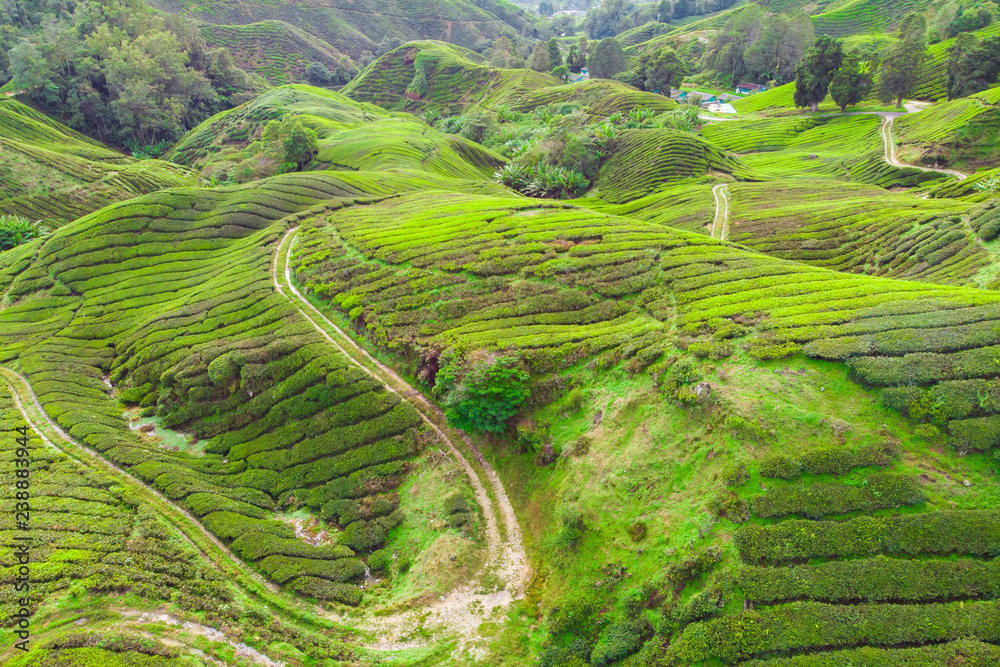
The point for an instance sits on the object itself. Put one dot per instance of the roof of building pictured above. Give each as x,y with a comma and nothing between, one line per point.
749,86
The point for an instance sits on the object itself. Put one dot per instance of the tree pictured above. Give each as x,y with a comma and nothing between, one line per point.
28,67
663,12
503,54
488,395
901,67
607,60
290,142
575,61
815,71
608,19
852,82
561,73
682,9
318,74
540,58
555,55
664,71
972,66
584,47
545,9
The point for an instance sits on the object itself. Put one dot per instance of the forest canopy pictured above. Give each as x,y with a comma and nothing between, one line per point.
117,70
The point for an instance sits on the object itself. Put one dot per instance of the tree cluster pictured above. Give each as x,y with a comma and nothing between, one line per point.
119,71
972,65
757,46
849,77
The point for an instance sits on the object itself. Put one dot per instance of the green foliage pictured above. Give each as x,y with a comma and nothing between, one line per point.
620,640
816,70
878,579
664,71
15,230
810,625
853,81
606,60
941,533
828,461
486,395
876,491
901,66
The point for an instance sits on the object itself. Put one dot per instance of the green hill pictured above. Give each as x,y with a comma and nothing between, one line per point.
355,27
963,133
352,136
453,78
51,173
275,49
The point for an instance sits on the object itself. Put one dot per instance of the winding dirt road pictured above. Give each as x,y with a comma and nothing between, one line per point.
721,194
462,611
890,149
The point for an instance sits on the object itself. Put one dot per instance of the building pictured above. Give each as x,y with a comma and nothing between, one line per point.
703,98
745,88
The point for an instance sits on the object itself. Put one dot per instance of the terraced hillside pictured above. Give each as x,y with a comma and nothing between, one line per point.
50,173
356,27
733,402
962,133
184,323
352,136
274,49
455,77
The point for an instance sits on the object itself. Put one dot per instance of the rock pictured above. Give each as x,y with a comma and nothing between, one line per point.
454,557
966,482
703,391
598,417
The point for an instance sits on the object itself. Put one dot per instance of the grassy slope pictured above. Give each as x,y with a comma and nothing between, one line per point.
964,132
627,454
277,50
456,78
353,136
50,173
358,26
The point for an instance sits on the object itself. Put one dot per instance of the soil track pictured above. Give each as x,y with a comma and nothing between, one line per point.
462,611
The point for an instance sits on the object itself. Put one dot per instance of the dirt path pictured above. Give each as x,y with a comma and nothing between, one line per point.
41,419
721,194
890,150
462,611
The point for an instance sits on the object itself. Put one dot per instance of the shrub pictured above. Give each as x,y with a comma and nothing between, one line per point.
488,395
878,579
15,230
637,531
765,350
456,502
735,474
780,466
972,532
976,435
809,625
877,491
321,589
620,640
363,536
715,350
962,652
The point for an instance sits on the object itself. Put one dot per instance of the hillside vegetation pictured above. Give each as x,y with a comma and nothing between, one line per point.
465,364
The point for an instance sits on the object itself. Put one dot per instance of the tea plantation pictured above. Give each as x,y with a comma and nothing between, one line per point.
468,365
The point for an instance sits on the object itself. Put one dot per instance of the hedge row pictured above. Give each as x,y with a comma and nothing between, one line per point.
877,491
965,652
284,568
970,532
803,626
879,579
321,589
257,545
828,460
